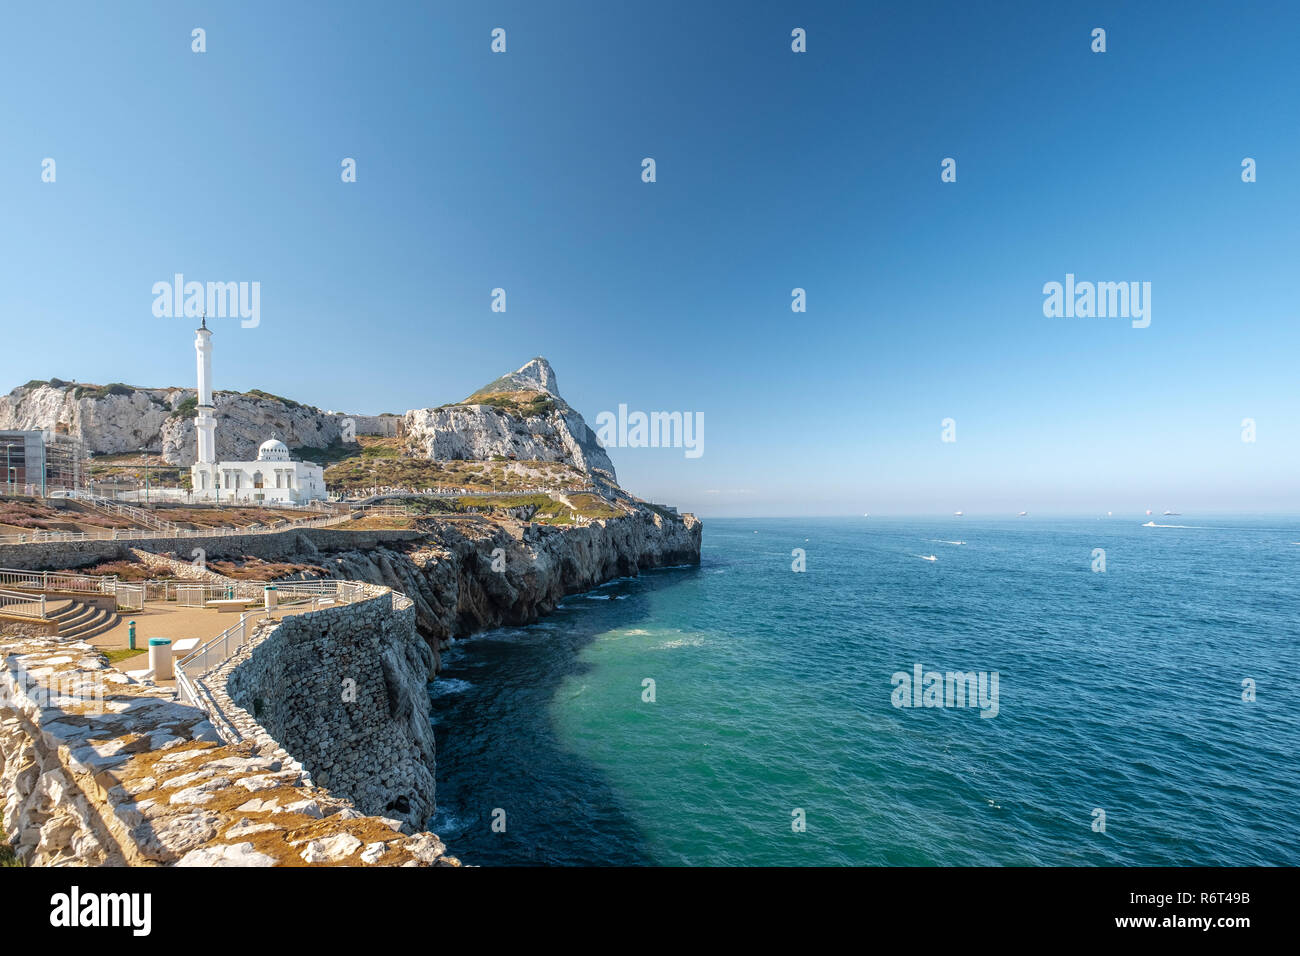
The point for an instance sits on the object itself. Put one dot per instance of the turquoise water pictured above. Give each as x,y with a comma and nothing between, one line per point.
1119,691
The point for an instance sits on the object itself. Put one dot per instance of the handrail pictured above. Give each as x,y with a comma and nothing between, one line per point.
188,686
464,493
22,605
119,534
110,506
59,581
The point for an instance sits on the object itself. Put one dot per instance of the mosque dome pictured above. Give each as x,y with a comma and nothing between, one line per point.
273,450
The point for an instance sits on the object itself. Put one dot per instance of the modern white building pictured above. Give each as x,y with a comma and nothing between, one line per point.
273,478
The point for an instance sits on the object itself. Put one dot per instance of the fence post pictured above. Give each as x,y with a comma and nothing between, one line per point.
42,607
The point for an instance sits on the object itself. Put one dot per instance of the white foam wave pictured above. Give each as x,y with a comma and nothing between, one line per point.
449,685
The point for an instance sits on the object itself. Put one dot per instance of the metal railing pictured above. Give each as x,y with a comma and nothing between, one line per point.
190,669
370,499
18,604
58,581
128,534
129,596
117,509
207,656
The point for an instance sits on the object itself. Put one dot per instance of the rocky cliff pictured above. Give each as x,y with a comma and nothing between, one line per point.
244,421
449,573
110,419
113,419
474,574
519,416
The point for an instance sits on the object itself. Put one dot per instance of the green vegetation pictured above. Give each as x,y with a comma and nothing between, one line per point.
338,451
53,383
267,396
594,506
7,857
524,404
388,464
102,391
541,507
120,654
366,446
189,408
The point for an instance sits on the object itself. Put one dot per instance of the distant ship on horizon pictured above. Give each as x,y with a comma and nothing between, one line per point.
956,514
1176,514
1022,514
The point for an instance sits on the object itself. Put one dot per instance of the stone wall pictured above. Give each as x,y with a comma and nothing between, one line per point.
384,426
345,691
97,770
182,570
269,546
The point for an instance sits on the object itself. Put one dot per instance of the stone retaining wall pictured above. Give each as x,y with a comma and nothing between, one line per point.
97,770
269,546
345,691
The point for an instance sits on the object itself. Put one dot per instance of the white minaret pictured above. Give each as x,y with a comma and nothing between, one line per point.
205,426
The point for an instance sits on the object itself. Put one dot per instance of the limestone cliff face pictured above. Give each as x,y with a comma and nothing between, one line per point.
114,419
447,572
110,420
519,416
244,421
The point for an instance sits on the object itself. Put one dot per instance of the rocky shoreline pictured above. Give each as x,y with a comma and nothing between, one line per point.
461,576
474,576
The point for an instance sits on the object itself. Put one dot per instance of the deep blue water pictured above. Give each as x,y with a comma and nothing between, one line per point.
1119,691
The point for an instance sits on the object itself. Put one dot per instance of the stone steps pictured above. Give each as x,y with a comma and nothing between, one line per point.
80,621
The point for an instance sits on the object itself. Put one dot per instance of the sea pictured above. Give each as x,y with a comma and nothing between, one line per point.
1146,709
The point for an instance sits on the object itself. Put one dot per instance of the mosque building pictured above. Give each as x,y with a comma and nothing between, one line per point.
274,478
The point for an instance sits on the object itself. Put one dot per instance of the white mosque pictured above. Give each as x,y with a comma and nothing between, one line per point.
272,479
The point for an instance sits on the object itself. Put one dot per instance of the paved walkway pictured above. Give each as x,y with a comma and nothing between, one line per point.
164,619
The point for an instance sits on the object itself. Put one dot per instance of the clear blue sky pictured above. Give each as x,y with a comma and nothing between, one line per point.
775,170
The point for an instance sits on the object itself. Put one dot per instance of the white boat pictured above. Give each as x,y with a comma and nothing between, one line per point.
956,514
1174,514
928,557
1022,514
1150,524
